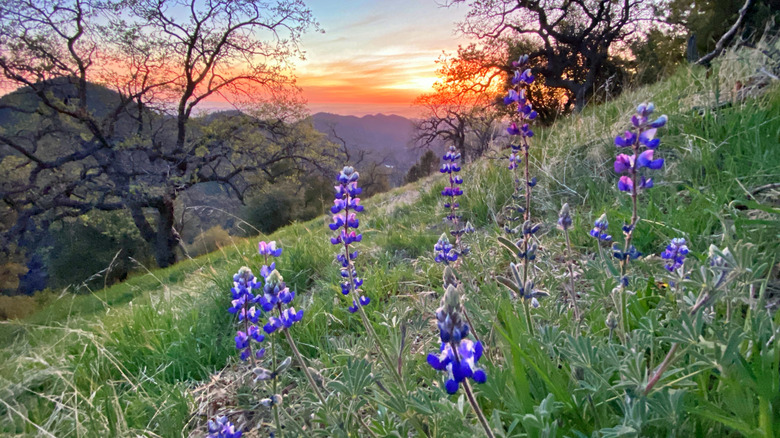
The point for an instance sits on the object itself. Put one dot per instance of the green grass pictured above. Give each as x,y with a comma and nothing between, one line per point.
123,361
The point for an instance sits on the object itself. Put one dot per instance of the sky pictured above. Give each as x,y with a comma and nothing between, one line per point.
376,56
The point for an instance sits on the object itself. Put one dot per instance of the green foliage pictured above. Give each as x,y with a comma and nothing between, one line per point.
103,243
428,164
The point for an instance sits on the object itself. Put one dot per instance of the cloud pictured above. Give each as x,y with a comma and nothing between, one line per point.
375,53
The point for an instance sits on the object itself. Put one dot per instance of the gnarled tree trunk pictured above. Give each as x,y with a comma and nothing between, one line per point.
164,239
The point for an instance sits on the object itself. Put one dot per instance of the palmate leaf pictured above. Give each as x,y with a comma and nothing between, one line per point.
357,377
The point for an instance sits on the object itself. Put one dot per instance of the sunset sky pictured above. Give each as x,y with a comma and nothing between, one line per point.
375,56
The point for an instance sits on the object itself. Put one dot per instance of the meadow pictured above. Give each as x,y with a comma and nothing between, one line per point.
155,355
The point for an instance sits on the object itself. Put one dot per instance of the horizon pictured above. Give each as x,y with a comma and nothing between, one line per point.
370,57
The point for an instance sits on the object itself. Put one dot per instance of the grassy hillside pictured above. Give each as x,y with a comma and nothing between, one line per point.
155,356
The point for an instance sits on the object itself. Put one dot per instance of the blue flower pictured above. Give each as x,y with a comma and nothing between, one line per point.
644,136
444,251
599,230
458,366
564,217
269,249
363,300
675,252
222,428
243,285
345,209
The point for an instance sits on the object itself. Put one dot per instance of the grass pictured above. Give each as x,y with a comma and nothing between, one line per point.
123,361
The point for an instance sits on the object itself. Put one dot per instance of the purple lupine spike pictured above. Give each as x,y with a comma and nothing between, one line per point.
599,230
346,222
222,428
243,286
675,252
643,135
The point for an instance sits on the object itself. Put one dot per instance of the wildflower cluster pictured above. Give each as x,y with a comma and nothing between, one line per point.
458,356
675,252
444,251
222,428
345,209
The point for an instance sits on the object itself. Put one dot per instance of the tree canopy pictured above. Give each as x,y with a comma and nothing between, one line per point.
575,40
104,115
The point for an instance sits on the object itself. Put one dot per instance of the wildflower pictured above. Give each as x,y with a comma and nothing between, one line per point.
451,168
458,355
275,295
449,319
675,253
243,285
564,218
643,137
599,230
458,366
444,251
269,249
346,223
222,428
631,254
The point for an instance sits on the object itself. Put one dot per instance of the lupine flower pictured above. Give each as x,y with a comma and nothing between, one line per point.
347,202
363,302
450,321
620,254
527,291
451,167
644,136
564,217
461,366
243,285
599,230
222,428
457,356
444,251
269,249
675,253
276,294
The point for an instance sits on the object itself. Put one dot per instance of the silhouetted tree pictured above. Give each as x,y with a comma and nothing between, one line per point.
428,164
77,146
575,39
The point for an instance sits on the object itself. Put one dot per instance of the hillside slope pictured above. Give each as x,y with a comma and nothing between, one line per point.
155,355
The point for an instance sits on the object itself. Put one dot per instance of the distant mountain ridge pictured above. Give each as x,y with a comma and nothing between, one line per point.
384,137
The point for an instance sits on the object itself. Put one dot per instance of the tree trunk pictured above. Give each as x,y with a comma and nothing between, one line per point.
167,238
580,94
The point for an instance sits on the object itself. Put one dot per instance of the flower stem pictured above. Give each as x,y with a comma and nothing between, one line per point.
528,322
569,262
477,410
297,353
275,406
661,369
670,355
